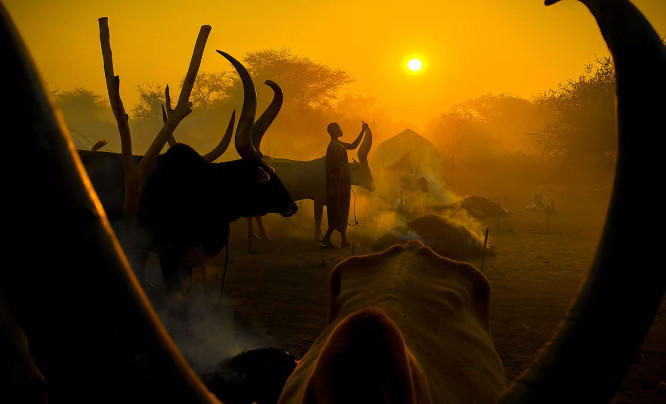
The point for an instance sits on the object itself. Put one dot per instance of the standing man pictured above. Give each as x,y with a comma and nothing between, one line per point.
338,183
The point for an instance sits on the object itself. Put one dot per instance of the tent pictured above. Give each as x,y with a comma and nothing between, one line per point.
407,153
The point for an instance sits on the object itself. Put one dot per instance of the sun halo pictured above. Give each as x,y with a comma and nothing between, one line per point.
415,65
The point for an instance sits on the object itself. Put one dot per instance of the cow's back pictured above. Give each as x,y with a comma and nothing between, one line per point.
303,179
440,308
105,170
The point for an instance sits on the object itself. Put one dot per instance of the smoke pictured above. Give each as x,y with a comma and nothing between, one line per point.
204,335
387,211
463,218
205,331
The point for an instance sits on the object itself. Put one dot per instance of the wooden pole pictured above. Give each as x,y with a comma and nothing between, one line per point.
483,255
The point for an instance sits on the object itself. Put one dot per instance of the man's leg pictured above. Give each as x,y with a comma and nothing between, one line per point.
343,234
326,241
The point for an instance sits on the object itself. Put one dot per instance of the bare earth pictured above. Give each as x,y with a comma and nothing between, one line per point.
279,293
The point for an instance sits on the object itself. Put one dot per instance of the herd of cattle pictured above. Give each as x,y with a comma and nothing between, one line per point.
405,324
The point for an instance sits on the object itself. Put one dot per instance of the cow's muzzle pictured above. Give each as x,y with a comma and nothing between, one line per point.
293,208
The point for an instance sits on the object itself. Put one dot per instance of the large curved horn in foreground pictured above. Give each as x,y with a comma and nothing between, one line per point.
266,119
364,150
594,347
91,330
244,130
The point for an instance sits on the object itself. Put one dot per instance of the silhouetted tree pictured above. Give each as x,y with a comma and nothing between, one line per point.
151,99
209,88
305,83
87,116
80,100
583,128
310,91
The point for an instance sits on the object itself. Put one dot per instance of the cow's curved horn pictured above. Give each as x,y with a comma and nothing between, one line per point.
107,325
364,150
594,347
246,121
266,119
224,143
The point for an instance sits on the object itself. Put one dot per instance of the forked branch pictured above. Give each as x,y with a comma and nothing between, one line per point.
219,149
184,106
134,174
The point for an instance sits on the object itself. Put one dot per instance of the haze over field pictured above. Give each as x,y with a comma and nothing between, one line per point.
516,98
470,48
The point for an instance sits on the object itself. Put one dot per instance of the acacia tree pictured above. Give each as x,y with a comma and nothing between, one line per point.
306,84
310,91
80,100
209,88
151,99
583,128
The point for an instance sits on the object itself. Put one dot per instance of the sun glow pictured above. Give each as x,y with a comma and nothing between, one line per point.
415,65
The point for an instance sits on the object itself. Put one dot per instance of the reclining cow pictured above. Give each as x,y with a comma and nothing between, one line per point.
405,325
104,343
307,180
186,201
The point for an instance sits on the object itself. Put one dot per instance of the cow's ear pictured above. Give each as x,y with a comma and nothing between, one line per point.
261,176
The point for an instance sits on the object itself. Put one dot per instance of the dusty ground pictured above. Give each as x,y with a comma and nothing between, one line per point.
279,293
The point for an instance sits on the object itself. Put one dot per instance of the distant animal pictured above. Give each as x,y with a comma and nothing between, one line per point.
68,286
187,202
307,180
413,182
483,208
539,202
410,183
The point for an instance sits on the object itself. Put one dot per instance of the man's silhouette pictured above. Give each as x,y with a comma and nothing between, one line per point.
338,183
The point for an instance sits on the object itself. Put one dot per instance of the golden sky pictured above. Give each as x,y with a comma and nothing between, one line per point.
471,47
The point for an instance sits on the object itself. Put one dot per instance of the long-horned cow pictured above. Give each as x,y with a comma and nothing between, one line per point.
94,336
187,201
307,180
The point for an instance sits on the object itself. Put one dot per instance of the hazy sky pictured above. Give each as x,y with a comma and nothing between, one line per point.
471,47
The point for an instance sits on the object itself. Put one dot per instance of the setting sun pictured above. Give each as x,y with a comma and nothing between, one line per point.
415,65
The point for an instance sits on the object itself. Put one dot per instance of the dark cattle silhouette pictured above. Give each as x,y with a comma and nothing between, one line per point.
187,202
103,342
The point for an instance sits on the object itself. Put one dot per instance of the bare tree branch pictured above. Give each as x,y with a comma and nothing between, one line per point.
132,179
184,106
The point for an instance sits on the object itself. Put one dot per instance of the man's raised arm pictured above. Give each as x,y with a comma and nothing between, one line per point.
354,144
